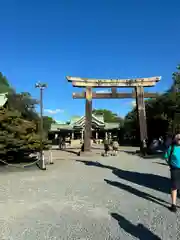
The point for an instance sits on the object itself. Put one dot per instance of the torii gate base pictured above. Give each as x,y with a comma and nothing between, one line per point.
138,84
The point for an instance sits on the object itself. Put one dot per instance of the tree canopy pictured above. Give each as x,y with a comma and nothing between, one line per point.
109,116
47,121
19,123
4,84
24,103
161,113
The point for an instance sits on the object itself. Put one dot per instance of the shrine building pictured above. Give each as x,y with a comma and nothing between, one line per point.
75,129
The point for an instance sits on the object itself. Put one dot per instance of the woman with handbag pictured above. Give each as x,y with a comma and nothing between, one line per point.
172,157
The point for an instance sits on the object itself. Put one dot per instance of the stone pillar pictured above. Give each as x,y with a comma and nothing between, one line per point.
141,113
88,120
72,135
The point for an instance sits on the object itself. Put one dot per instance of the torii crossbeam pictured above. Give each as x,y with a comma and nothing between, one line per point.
137,83
111,95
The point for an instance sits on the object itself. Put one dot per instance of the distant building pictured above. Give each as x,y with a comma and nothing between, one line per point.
75,129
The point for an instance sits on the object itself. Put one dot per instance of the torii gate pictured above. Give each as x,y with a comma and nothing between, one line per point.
138,84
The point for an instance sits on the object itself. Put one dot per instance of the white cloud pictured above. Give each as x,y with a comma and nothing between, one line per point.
133,103
53,112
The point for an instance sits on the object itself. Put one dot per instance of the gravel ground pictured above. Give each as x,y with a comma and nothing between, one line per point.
123,197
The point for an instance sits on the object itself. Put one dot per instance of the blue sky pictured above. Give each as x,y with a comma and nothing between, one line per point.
45,40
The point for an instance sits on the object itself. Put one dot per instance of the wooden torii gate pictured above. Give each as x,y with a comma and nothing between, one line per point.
138,84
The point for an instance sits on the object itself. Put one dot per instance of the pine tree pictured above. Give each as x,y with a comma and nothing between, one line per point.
4,84
18,137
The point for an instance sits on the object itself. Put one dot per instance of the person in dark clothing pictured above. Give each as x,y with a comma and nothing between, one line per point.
106,147
82,148
60,142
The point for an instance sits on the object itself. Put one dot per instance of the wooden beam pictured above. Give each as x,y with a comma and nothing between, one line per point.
128,84
133,82
94,80
95,95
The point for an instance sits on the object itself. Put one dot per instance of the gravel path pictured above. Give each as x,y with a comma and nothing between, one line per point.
123,197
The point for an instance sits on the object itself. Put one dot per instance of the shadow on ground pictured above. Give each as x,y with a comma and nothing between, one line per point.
148,156
139,231
71,150
18,160
78,151
18,168
97,148
152,181
137,192
160,163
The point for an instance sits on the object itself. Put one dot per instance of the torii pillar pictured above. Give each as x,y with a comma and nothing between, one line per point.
141,115
88,120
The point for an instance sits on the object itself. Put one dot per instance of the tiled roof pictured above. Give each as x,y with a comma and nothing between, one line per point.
99,118
57,127
81,122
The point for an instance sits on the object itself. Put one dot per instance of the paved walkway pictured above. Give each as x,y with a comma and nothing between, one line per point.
121,197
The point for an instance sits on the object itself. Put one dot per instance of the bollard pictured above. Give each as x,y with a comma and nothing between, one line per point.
42,161
41,164
51,157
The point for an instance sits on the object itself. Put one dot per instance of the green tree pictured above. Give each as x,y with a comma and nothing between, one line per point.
47,121
17,135
159,112
4,84
24,103
19,121
109,116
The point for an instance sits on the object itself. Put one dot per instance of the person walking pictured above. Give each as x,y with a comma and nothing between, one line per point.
172,157
106,147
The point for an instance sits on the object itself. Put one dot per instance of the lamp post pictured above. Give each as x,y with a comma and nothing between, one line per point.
41,86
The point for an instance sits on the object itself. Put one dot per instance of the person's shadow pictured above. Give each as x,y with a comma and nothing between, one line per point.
149,180
139,231
137,192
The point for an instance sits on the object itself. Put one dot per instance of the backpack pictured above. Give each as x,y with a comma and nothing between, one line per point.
170,155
